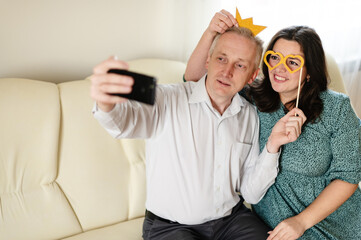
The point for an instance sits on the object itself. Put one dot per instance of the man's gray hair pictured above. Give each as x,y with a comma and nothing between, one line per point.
245,32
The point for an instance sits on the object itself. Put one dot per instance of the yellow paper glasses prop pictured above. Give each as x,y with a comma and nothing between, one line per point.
292,63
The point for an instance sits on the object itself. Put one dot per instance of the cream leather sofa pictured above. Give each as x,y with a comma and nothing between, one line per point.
61,175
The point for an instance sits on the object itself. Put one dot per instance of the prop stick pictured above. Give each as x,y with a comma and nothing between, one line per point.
298,91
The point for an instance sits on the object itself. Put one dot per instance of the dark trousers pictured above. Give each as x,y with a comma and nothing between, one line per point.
242,224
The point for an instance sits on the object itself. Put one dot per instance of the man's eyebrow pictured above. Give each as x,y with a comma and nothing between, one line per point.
239,59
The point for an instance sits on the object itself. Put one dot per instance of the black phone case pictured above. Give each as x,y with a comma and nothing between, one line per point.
144,86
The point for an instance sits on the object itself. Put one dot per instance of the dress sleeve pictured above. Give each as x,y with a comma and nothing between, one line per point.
345,143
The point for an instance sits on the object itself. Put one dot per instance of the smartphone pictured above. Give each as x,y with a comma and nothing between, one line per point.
144,86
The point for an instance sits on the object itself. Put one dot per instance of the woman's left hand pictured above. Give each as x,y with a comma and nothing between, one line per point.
288,229
221,21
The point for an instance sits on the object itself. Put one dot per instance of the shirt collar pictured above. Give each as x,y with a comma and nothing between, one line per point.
200,94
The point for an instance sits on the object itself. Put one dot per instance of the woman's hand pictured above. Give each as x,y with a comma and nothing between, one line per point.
196,66
286,130
220,22
289,229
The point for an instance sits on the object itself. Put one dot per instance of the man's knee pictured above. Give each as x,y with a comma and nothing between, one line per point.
245,225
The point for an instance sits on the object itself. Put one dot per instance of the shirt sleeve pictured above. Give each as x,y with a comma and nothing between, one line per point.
260,171
345,144
131,119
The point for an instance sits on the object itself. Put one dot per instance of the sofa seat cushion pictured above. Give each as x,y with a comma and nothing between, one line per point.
129,230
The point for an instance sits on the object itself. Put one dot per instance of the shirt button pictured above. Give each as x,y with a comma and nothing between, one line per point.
217,189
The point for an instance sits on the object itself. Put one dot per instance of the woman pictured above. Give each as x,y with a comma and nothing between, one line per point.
316,193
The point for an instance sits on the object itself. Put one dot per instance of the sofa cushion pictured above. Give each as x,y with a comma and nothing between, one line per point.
129,230
103,178
32,204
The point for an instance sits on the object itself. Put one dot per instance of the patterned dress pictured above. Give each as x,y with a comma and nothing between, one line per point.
326,150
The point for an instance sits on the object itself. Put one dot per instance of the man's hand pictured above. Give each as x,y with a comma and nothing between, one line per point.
286,130
289,229
103,84
220,22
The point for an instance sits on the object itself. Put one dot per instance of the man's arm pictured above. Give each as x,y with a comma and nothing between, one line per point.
260,171
120,117
196,66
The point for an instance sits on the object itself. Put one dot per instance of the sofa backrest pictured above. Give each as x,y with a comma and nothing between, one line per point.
33,205
336,82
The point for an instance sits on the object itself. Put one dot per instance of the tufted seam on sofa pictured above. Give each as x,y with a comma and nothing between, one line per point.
134,150
70,205
58,158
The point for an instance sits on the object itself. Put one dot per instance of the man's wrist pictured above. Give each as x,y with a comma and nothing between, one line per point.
105,107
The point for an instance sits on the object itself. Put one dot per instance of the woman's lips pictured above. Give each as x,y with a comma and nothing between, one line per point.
278,78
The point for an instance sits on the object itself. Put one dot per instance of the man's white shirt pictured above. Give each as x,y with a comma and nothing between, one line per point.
197,161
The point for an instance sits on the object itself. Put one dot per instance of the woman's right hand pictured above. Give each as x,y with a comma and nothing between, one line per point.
286,130
221,21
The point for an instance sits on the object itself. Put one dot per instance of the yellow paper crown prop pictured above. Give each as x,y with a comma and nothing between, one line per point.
248,23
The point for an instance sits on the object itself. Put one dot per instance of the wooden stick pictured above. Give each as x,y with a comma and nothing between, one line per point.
299,88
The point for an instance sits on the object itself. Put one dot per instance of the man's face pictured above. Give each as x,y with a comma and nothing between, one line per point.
231,66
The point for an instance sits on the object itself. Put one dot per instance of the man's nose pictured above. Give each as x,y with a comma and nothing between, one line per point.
228,70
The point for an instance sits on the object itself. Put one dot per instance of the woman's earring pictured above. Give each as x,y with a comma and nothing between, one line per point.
308,78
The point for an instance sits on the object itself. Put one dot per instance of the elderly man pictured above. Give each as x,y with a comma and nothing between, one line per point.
202,150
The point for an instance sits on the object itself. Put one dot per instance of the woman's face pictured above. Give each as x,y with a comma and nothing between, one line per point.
282,81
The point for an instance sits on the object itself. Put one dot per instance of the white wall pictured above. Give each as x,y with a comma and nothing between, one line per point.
62,40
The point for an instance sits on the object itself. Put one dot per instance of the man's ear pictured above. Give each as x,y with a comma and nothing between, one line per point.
207,62
254,75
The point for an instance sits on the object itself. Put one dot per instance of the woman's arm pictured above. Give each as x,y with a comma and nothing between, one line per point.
329,200
196,64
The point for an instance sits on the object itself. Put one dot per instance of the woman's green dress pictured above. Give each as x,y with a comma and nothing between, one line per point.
326,150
